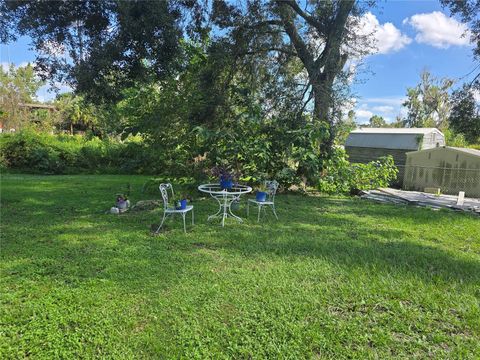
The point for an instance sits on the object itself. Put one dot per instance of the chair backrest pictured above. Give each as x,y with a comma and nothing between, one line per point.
271,186
164,191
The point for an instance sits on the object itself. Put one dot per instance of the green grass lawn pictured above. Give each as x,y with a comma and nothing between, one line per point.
334,278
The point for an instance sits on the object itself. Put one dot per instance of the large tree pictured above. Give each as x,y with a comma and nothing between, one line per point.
428,102
18,86
98,47
320,35
282,61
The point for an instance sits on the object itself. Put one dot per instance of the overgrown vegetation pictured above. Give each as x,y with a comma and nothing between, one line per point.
34,152
340,176
253,157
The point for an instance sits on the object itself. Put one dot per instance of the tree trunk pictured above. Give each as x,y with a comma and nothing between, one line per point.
321,114
323,70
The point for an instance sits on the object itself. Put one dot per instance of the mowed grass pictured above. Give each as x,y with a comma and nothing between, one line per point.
334,278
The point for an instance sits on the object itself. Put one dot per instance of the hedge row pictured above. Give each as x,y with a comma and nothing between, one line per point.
32,152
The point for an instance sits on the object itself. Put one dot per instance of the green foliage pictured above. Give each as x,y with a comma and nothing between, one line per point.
64,154
428,103
454,139
340,176
167,68
18,86
377,121
465,116
345,126
74,112
112,44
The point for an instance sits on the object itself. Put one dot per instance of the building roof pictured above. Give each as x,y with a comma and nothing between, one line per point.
38,106
390,138
418,131
464,150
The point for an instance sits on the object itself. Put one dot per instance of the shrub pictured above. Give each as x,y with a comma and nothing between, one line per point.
340,176
28,151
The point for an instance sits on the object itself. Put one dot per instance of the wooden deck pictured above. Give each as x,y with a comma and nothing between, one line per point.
417,198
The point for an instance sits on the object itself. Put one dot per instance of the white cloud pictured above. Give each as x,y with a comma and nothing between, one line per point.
392,101
363,114
384,109
387,37
387,107
439,30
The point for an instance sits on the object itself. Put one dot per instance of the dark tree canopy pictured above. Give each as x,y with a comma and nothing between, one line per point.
97,47
102,47
465,115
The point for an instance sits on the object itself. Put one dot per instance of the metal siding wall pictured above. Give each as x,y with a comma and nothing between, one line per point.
450,170
365,155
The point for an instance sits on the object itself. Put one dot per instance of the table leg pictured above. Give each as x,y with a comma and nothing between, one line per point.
224,208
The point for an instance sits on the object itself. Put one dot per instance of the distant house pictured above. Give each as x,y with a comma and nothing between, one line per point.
451,169
38,106
368,144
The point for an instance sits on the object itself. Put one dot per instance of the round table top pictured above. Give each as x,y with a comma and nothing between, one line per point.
217,189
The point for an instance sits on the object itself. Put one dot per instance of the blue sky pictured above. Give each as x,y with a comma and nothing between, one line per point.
431,41
411,36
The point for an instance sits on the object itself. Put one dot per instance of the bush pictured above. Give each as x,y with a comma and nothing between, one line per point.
340,176
32,152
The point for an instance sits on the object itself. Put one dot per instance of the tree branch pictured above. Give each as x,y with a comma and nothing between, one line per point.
296,39
284,51
266,22
335,36
308,18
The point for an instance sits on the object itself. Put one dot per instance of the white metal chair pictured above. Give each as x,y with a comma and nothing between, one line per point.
171,210
271,187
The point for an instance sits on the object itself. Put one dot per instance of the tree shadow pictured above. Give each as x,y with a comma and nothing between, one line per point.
355,246
75,244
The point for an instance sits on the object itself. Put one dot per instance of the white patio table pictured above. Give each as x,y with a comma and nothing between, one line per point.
225,198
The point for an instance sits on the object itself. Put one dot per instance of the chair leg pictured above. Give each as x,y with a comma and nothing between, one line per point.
184,226
163,219
259,211
274,212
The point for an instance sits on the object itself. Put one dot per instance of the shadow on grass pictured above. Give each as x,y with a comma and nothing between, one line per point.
67,240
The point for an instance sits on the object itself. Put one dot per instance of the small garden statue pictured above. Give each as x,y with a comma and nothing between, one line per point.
121,205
